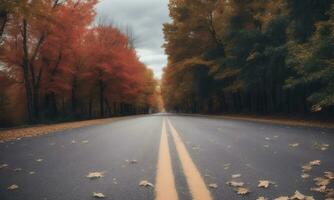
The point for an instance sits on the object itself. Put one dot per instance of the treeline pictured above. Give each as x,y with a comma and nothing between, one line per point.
55,64
250,56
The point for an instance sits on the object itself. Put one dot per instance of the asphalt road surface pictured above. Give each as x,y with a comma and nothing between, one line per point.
180,155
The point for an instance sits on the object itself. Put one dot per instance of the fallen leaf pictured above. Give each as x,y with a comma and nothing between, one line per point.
267,138
242,190
13,187
39,160
261,198
145,183
84,141
98,195
95,175
235,184
282,198
307,168
32,172
3,166
264,183
329,175
236,175
321,189
305,176
213,185
315,163
320,181
298,196
294,145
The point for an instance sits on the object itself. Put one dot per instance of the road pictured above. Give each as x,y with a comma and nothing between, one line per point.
180,155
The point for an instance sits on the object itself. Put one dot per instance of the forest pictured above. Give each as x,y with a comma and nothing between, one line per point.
250,56
57,64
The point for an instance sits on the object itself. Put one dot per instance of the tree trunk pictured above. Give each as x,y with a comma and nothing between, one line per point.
101,86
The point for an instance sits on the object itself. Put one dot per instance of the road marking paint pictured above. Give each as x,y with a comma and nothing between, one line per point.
196,184
165,186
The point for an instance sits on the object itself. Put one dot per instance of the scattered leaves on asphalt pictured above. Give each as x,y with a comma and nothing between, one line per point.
236,175
98,195
264,183
213,185
13,187
329,175
95,175
145,183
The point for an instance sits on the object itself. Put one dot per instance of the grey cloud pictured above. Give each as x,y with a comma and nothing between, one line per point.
145,17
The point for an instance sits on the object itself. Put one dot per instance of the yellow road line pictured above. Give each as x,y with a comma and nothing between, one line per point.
165,186
196,184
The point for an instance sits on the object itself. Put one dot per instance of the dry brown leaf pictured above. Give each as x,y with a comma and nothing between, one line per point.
95,175
264,183
213,185
294,145
298,196
242,190
307,168
236,175
13,187
3,166
235,184
98,195
315,163
305,176
321,189
145,183
329,175
320,181
282,198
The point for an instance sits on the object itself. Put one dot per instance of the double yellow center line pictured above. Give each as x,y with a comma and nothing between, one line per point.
165,184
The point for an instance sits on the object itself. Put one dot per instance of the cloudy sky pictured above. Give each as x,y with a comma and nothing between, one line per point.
145,17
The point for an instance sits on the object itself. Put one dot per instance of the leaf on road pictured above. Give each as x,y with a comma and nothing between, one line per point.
307,168
236,175
329,175
321,189
213,185
320,181
294,145
235,184
305,176
282,198
84,141
13,187
264,183
39,160
3,166
242,190
32,172
95,175
315,163
18,169
268,138
98,195
298,196
145,183
261,198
